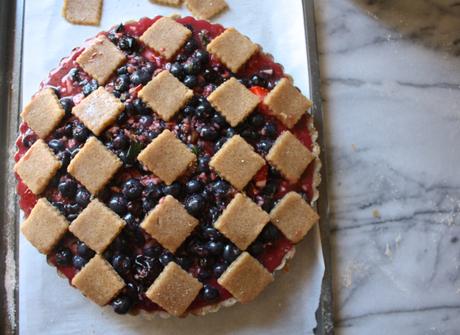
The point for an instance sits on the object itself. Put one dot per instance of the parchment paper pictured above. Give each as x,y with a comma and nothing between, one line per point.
48,305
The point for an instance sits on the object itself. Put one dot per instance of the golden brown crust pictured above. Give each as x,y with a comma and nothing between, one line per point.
206,9
85,12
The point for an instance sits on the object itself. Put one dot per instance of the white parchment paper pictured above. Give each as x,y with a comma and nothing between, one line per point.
48,305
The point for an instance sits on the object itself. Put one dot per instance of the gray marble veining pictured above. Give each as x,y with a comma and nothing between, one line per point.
391,88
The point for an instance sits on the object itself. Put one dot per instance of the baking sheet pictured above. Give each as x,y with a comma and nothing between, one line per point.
46,302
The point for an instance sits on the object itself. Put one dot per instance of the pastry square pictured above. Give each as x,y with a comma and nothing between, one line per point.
167,157
206,9
175,3
37,167
165,94
87,12
98,110
289,156
245,278
293,216
242,221
43,113
237,162
94,165
169,223
97,226
234,101
166,36
174,289
98,281
232,48
45,226
101,59
287,103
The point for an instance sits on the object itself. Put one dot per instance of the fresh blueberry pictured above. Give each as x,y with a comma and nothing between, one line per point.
89,87
194,186
198,249
63,256
181,58
258,81
210,293
257,120
67,188
208,133
84,251
202,56
256,248
74,74
78,262
230,132
194,204
132,189
120,141
184,262
140,107
204,110
269,233
122,304
56,145
67,104
29,139
122,83
147,205
219,120
177,70
264,146
190,81
215,247
64,157
68,130
212,76
118,204
121,264
219,269
203,274
190,46
174,189
220,143
230,253
270,130
193,67
146,120
129,218
72,208
122,70
189,111
203,164
82,197
153,251
112,37
211,233
80,133
250,134
166,257
127,43
140,77
152,191
220,187
268,205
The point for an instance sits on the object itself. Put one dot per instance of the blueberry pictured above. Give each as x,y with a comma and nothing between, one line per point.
84,251
203,164
193,67
230,253
132,189
68,129
63,256
152,191
204,110
215,247
208,133
147,205
111,36
256,248
219,269
29,139
121,305
140,77
78,262
89,87
194,186
72,208
220,143
174,189
120,28
198,249
177,70
132,290
166,257
190,45
269,233
56,145
68,188
258,81
268,205
230,132
264,146
82,197
189,111
120,141
212,76
210,293
191,81
181,58
146,120
118,204
127,43
140,107
64,157
203,274
220,187
121,264
211,233
129,218
249,134
194,204
202,56
257,120
153,251
122,83
270,130
74,74
122,70
67,104
219,120
184,262
80,133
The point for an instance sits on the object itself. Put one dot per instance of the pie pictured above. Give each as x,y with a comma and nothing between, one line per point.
168,166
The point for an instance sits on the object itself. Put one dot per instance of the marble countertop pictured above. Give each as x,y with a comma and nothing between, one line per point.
391,88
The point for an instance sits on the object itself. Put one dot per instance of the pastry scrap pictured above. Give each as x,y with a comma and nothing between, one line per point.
206,9
85,12
167,171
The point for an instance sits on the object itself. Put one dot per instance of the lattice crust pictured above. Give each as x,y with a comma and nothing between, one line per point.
169,223
293,216
287,103
290,156
237,162
166,37
94,165
101,59
232,48
245,278
43,113
167,157
174,3
174,289
206,9
87,12
45,226
234,101
242,221
98,281
37,167
166,95
97,226
98,110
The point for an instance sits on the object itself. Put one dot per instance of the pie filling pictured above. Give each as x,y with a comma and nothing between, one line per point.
133,191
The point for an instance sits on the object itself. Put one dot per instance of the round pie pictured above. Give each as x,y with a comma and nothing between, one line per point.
167,166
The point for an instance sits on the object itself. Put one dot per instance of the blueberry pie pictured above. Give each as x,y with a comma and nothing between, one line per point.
167,166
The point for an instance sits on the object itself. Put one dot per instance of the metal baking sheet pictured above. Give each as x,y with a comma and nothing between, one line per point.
11,33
